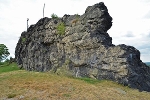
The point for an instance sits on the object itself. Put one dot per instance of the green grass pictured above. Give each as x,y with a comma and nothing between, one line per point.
6,67
45,86
89,80
30,85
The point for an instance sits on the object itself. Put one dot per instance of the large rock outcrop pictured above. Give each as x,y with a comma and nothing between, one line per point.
85,50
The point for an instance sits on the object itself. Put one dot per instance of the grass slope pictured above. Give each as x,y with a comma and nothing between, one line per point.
6,67
24,85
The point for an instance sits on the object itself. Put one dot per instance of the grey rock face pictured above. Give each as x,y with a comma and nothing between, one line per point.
85,50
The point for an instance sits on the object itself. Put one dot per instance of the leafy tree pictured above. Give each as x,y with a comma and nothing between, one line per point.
4,53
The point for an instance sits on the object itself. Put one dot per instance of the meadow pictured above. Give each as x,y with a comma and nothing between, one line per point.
16,84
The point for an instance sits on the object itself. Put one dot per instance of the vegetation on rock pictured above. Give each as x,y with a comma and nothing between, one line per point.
61,28
54,16
23,40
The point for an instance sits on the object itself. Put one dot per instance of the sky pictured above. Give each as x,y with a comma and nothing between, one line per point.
131,20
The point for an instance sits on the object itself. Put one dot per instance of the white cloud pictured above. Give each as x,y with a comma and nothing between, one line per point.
130,26
129,34
147,16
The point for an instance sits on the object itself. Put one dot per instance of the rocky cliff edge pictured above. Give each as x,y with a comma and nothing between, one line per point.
84,49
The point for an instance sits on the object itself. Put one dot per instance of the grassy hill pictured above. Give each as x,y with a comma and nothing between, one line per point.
24,85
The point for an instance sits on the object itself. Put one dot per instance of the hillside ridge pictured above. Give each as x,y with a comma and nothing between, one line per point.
24,85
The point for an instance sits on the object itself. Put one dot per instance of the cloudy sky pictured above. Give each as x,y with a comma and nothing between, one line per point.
131,19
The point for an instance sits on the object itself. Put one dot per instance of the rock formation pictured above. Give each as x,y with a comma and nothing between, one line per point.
85,49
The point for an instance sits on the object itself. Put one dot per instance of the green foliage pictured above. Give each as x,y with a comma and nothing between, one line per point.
6,62
54,16
6,67
61,28
23,40
4,53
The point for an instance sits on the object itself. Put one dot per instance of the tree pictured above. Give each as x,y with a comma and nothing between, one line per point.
4,53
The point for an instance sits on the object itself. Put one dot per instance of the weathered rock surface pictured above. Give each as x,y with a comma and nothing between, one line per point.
85,50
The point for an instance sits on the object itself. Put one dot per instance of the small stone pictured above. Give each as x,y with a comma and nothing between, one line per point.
21,97
121,91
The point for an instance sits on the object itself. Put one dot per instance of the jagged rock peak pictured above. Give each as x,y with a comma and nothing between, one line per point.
100,11
79,45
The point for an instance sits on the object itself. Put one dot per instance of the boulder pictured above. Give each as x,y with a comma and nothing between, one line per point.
81,47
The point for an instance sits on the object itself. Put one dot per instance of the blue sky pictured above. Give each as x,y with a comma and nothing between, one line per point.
131,19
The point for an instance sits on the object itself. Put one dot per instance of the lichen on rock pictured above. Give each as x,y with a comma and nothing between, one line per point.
85,50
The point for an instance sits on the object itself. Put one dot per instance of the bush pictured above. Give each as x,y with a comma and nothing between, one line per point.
54,16
61,28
